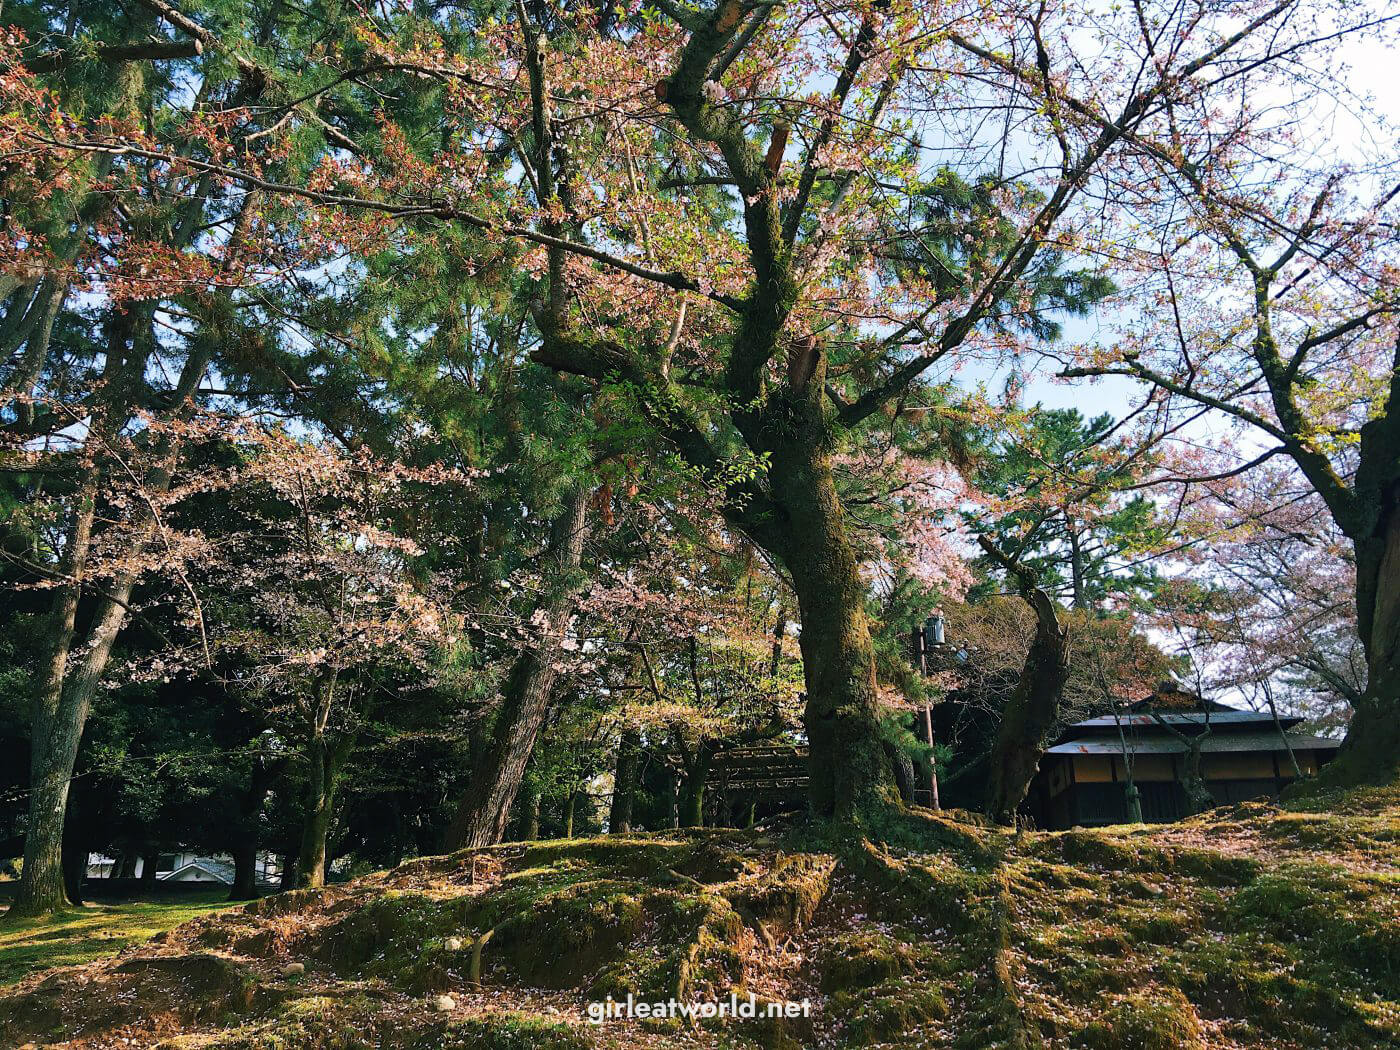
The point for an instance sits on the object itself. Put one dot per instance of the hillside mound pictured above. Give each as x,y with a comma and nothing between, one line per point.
1253,926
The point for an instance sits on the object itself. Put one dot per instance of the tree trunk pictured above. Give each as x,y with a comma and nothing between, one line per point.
327,759
26,377
691,801
289,872
692,804
74,849
1371,752
849,774
570,805
673,798
484,809
245,869
1076,565
903,774
1030,715
149,868
245,839
57,727
624,782
530,812
933,799
1193,783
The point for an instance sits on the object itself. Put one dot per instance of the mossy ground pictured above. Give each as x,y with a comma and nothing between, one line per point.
94,931
1249,927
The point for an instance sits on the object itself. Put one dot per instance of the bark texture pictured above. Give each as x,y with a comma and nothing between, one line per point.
247,825
484,810
850,777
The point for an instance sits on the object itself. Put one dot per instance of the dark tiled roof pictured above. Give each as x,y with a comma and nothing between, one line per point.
1187,718
1163,743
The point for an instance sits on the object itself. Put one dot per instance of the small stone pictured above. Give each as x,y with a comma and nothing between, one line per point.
444,1003
293,969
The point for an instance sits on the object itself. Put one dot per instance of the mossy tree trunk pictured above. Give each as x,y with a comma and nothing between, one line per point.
326,754
903,767
484,809
695,764
809,535
1193,782
673,797
692,805
793,511
1034,708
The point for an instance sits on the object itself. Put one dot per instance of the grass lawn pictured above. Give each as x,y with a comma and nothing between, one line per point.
93,931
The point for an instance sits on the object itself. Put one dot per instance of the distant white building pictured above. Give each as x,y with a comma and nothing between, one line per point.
188,867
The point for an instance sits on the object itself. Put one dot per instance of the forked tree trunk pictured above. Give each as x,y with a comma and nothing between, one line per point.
1030,715
64,699
484,810
57,727
58,730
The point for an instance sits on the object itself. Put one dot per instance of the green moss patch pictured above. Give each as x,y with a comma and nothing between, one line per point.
1154,1019
508,1030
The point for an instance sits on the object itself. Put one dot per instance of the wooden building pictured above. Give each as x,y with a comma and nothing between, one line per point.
1084,775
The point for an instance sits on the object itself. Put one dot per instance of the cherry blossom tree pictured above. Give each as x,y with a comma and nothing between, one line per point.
1283,320
318,599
